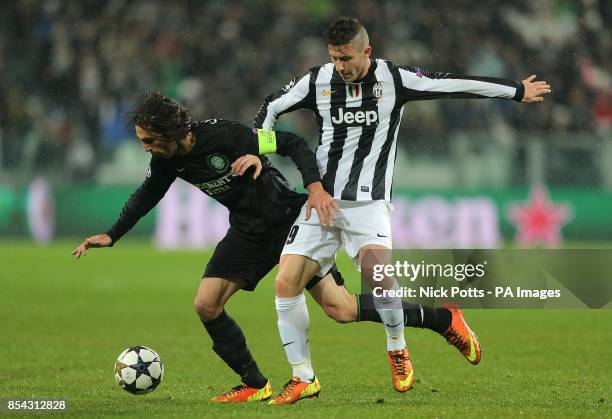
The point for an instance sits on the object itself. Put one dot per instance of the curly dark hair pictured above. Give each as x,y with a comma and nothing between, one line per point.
159,114
342,31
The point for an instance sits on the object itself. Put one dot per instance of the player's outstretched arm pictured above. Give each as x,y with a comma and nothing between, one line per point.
99,240
419,84
534,90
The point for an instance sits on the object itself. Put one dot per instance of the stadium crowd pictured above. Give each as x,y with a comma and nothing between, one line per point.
71,69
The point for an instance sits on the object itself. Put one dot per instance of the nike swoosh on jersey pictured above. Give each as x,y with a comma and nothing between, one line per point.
328,92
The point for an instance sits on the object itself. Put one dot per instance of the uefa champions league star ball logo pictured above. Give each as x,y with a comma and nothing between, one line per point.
217,162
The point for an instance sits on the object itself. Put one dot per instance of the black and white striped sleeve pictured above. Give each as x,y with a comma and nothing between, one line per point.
297,94
418,84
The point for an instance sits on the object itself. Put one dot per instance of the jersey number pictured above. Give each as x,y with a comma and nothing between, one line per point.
292,234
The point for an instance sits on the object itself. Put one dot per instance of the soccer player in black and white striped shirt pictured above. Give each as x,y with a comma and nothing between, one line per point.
358,103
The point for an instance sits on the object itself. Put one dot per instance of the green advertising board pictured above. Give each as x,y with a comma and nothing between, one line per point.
79,210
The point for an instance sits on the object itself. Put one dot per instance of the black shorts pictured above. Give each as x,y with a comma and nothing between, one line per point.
250,258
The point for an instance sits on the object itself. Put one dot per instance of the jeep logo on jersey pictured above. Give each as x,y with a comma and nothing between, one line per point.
355,118
217,162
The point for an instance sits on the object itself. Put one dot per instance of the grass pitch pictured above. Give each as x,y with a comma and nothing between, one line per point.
63,322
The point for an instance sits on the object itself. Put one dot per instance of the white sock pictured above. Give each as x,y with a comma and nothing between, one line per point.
393,319
392,315
293,325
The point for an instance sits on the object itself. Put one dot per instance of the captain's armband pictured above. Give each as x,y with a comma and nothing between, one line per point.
267,141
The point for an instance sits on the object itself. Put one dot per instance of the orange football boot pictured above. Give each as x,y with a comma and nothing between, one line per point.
461,336
402,374
243,393
296,390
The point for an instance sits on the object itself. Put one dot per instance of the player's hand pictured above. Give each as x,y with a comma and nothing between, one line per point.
241,164
534,90
99,240
322,202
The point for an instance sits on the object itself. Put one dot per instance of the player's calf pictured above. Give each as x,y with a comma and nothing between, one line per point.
230,345
340,313
330,293
415,315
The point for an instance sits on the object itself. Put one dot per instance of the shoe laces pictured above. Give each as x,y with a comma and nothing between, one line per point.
453,338
287,388
235,390
397,359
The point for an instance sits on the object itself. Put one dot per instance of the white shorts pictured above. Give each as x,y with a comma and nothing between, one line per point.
356,225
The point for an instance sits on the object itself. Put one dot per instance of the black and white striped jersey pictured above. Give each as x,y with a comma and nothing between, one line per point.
358,122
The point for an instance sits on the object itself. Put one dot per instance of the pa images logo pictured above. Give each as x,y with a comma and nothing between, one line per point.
217,162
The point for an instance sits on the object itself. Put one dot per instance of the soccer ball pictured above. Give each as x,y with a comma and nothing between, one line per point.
139,370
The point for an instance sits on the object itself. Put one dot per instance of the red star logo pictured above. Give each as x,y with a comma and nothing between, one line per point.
539,220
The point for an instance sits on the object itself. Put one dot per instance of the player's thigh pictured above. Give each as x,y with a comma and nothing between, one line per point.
366,234
368,225
213,293
314,241
245,256
335,300
294,272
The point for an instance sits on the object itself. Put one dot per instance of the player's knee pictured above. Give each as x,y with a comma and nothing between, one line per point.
206,309
285,285
339,313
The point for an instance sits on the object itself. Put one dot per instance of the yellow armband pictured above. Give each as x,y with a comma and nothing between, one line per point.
267,141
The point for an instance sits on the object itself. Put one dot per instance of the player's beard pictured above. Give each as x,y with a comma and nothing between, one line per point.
167,151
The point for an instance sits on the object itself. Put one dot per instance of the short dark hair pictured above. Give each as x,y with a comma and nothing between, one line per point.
342,31
161,115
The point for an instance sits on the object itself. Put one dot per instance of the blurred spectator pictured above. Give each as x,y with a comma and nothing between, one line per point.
71,69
